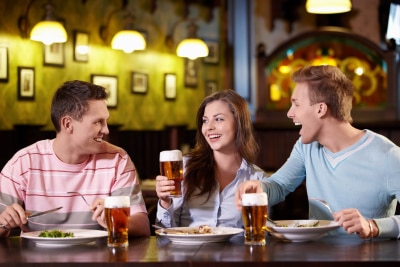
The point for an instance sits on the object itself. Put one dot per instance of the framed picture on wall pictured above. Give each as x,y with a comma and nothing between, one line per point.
191,72
110,83
81,46
3,64
139,82
54,55
211,87
213,52
170,86
26,83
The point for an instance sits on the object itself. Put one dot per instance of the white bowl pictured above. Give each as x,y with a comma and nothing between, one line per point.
301,230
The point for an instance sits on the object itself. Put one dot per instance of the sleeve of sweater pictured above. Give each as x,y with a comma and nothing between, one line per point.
287,178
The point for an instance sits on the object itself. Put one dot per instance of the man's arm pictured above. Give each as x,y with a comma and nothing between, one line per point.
139,225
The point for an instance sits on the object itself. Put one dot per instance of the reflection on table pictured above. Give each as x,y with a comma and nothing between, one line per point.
157,251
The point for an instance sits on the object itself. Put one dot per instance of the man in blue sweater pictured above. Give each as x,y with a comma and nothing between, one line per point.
356,171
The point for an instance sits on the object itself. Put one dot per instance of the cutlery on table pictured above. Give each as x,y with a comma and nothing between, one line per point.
38,214
324,203
272,221
82,196
169,230
320,209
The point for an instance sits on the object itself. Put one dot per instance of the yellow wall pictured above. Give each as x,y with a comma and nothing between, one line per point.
134,111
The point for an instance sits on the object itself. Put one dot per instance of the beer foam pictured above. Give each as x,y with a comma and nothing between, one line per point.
170,155
254,199
117,202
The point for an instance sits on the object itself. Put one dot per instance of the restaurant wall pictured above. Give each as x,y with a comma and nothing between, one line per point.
275,24
148,111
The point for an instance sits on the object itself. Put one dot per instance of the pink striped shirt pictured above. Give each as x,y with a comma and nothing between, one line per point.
35,178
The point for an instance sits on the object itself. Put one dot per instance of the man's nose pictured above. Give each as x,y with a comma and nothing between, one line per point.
105,129
289,114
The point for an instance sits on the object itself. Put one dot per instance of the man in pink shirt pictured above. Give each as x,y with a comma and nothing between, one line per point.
42,175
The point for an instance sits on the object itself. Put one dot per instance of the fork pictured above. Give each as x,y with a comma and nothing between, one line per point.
272,221
82,196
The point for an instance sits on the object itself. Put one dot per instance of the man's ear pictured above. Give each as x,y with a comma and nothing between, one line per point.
66,123
322,109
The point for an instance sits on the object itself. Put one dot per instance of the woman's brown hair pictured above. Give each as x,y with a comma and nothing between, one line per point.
199,169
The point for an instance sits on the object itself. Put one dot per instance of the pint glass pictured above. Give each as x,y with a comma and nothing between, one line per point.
117,212
171,166
254,214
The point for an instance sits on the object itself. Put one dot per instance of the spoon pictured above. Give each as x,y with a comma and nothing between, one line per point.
323,202
320,212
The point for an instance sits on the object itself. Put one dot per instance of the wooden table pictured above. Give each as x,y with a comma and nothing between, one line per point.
156,251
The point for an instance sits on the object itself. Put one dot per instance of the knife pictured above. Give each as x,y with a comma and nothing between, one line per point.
38,214
43,212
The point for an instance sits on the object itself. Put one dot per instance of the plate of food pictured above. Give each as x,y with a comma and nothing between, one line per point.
198,235
63,238
301,230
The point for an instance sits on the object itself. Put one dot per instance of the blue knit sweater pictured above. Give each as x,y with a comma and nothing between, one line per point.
365,176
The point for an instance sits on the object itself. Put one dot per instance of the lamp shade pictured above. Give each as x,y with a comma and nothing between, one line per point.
192,48
328,6
48,32
128,41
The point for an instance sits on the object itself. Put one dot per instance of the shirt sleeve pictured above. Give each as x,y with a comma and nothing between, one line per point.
390,227
11,183
170,217
127,183
164,216
287,178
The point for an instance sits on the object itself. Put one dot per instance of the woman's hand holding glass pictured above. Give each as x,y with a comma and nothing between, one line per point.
163,189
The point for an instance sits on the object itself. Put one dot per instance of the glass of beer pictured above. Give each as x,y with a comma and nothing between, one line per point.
118,254
171,166
254,214
117,212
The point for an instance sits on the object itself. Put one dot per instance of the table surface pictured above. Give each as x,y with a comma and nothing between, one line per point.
158,251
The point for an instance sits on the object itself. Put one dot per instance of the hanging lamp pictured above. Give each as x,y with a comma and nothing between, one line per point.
192,47
49,30
328,6
128,41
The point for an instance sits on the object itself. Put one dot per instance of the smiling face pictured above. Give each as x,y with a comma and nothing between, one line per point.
305,114
219,127
87,133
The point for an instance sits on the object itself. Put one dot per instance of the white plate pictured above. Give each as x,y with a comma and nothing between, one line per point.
81,236
184,234
295,233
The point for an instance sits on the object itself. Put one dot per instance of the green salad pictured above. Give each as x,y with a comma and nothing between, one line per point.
315,224
55,233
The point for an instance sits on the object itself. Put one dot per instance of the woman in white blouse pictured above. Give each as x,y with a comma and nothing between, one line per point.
222,158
